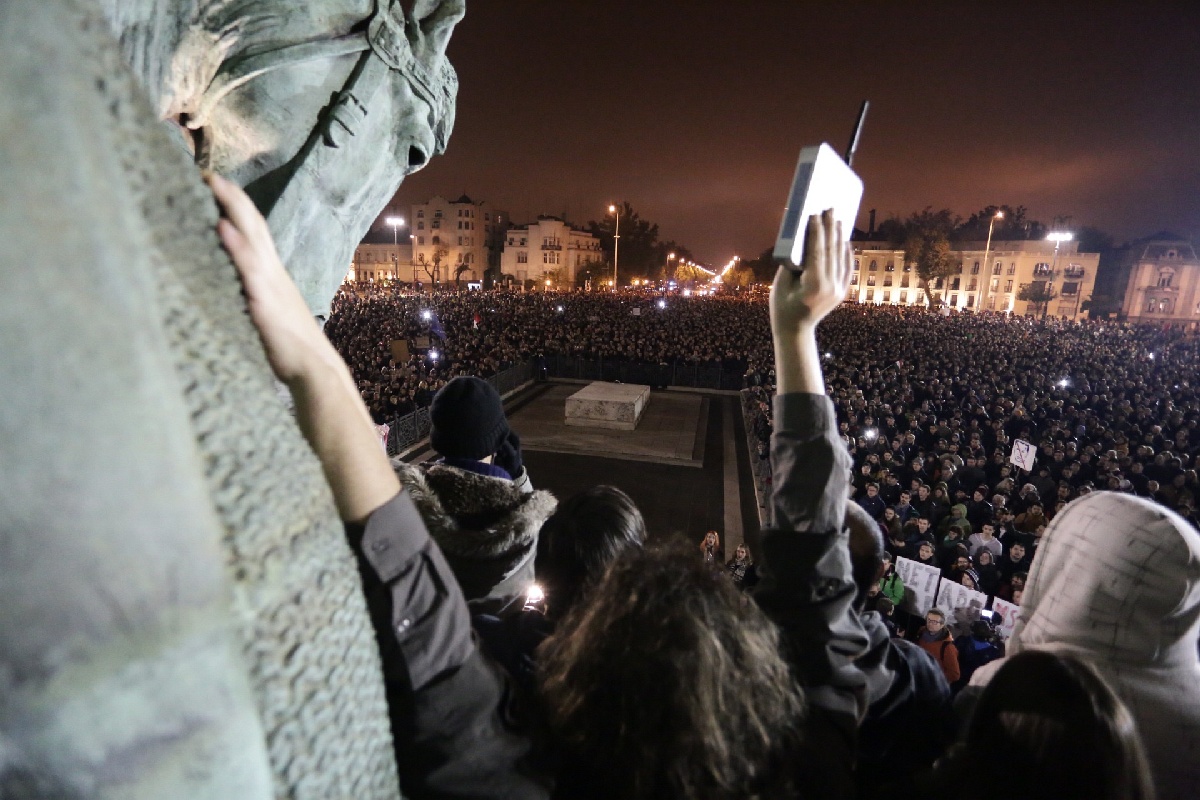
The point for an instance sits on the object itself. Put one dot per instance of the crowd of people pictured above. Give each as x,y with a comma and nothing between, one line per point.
638,668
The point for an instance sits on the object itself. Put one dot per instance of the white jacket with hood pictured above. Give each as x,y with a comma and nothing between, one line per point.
1116,581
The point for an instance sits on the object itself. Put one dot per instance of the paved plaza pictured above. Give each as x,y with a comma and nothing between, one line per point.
685,465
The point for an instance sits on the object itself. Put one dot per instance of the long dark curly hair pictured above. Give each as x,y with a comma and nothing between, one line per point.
666,682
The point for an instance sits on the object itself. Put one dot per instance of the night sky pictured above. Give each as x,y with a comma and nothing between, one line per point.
694,111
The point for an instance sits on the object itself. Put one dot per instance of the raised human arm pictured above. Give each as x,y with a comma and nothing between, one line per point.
329,409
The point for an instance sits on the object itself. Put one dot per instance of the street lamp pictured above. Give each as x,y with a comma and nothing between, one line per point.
396,223
987,274
612,209
1058,237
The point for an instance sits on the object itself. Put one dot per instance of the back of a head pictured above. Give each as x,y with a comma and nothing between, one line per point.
866,551
1059,731
583,536
666,682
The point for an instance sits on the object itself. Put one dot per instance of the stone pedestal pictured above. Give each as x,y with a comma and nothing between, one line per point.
616,406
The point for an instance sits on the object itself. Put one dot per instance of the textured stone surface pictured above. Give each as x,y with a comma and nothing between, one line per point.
181,615
617,406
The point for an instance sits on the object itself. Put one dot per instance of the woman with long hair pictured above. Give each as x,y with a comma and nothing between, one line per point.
710,549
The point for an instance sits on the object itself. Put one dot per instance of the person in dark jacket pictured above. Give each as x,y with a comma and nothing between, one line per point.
979,648
909,721
448,703
648,727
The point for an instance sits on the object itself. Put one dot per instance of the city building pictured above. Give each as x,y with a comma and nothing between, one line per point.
442,240
374,262
451,239
881,277
548,250
1164,282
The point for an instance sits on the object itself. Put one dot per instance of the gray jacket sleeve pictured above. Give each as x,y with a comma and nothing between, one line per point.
806,585
448,703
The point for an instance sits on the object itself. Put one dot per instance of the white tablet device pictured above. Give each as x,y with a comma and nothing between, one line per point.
822,181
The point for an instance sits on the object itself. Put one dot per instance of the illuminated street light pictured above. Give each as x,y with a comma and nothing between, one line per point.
616,212
397,223
987,249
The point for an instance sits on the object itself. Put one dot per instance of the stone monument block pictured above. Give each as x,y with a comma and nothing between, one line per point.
617,406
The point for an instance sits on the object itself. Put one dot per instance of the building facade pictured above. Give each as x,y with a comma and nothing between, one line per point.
442,240
548,250
881,277
1163,284
381,262
453,239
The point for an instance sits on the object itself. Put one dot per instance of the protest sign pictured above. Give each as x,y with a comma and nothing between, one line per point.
920,585
961,606
1005,617
1023,454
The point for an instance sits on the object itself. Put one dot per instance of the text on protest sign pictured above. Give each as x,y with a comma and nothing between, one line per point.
1023,454
1005,616
920,584
961,606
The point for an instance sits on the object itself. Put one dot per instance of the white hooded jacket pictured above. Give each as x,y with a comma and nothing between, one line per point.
1116,581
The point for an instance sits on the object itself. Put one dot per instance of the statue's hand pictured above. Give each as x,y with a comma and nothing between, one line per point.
292,338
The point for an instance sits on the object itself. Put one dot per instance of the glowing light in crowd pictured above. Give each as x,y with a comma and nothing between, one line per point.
534,594
687,292
1064,382
559,309
433,355
1152,356
426,314
869,434
662,303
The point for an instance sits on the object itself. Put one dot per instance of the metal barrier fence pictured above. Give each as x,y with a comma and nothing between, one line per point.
411,428
687,375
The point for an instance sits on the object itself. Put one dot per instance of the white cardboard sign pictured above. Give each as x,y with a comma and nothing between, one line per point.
961,606
920,584
1005,617
1023,454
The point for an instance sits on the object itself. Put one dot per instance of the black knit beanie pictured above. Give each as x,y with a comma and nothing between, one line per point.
468,419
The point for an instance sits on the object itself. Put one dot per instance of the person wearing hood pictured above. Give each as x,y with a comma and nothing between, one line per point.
1117,583
958,516
477,500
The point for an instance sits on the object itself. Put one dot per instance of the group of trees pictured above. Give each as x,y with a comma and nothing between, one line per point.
641,254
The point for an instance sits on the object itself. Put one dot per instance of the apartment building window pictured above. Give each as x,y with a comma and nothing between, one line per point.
889,267
904,297
522,257
996,269
921,296
870,280
991,304
1070,288
1164,279
854,280
437,240
960,268
954,284
954,300
975,268
460,241
995,285
874,265
887,280
435,225
870,295
1008,286
420,213
420,240
970,301
887,297
856,263
972,285
904,281
939,283
1012,268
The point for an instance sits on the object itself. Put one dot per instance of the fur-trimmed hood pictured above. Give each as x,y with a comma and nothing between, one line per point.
486,527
